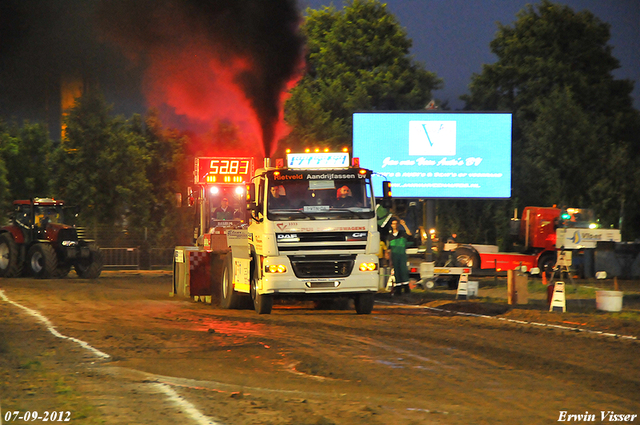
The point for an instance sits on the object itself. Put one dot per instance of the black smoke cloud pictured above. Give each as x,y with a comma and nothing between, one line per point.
264,31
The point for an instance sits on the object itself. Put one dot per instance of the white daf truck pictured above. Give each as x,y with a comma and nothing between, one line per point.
312,234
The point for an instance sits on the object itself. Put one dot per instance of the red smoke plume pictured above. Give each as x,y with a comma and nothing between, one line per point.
212,62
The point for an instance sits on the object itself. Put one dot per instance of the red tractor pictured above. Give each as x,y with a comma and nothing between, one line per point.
36,242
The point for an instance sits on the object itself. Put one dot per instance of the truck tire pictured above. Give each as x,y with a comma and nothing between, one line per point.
217,263
229,298
262,303
466,257
10,266
364,303
42,261
546,262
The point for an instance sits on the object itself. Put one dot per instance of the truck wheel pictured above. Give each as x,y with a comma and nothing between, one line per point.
466,257
546,263
229,298
9,264
90,268
217,264
42,261
262,303
364,303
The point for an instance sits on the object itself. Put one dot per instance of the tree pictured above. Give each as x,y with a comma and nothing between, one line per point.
357,59
169,171
574,122
101,166
25,152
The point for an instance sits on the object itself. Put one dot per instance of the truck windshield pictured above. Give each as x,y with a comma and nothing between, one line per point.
226,205
342,194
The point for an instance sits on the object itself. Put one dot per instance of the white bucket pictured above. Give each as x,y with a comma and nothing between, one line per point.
609,300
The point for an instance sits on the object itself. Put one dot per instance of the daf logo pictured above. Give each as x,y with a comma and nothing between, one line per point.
286,236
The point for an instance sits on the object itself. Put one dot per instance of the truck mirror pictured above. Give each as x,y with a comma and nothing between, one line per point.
251,197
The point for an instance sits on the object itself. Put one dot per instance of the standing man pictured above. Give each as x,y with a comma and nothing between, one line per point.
397,241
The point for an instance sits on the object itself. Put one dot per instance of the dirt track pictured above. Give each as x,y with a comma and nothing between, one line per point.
175,361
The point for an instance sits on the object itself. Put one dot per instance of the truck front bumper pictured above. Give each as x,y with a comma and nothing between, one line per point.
289,283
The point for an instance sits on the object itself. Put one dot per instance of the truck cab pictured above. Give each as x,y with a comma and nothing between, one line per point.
312,233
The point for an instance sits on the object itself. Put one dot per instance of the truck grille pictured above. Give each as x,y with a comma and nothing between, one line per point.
322,241
322,266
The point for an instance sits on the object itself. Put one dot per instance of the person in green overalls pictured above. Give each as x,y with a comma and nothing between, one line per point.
397,241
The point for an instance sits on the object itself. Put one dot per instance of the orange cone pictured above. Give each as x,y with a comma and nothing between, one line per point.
544,278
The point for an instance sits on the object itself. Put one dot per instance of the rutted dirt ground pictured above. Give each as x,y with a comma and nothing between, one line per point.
176,361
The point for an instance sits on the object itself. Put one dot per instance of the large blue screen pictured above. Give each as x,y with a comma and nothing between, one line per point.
436,154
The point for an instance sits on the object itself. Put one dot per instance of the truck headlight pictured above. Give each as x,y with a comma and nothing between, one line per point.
69,243
368,267
275,268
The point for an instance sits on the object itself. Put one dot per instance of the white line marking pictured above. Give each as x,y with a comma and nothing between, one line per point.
52,328
520,322
186,407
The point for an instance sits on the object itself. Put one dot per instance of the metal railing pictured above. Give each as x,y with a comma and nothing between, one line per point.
135,258
121,258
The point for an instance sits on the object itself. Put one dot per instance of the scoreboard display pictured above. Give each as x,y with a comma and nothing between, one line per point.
213,170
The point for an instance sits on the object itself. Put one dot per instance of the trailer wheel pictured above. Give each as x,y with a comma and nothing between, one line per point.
42,261
90,268
262,303
229,298
364,303
466,257
9,264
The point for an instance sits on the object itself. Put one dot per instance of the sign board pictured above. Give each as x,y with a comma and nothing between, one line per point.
213,170
318,160
564,259
571,238
559,301
436,154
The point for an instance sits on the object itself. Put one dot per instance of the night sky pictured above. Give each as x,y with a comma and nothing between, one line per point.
40,40
451,38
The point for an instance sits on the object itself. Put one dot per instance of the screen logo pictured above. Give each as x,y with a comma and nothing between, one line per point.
432,138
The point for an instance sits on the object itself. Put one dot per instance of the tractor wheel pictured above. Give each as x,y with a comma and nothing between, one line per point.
466,257
90,268
42,261
10,266
62,271
229,298
364,303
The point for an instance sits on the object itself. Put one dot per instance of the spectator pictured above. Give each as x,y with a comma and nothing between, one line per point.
397,240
